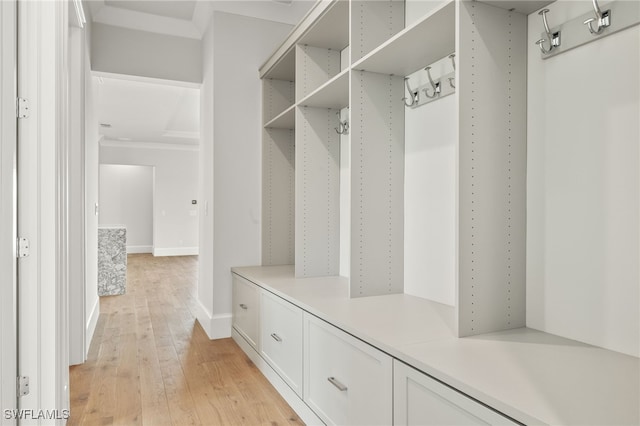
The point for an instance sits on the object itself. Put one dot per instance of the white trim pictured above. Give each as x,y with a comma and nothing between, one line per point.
81,19
139,249
294,401
216,326
142,79
176,251
148,145
204,318
221,326
92,322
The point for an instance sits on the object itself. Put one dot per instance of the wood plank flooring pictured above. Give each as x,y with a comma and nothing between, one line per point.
151,363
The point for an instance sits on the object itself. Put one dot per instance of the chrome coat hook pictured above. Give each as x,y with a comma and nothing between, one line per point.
434,84
415,95
343,126
552,38
602,19
453,62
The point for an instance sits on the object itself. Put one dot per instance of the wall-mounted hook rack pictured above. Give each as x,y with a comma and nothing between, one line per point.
436,87
574,33
343,126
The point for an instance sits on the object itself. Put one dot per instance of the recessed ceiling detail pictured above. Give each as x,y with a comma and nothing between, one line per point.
142,111
190,18
170,9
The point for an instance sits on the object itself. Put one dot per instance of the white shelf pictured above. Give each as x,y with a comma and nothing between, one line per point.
416,46
521,6
285,67
333,94
331,31
284,120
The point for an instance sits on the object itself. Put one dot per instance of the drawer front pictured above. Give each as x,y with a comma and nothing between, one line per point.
246,309
346,381
281,325
421,400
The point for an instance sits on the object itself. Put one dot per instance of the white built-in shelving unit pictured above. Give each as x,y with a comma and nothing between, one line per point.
356,55
424,205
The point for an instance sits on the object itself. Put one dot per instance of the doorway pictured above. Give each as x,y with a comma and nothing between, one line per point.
126,198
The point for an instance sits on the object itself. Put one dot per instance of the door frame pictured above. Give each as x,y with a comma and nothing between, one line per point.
42,211
8,209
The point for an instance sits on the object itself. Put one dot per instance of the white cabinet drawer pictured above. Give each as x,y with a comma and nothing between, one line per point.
346,381
246,309
281,333
420,400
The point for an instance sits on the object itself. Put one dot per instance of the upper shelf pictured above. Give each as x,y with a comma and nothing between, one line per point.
331,30
326,25
521,6
333,94
416,46
285,68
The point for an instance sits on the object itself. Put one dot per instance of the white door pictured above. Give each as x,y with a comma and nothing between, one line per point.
8,143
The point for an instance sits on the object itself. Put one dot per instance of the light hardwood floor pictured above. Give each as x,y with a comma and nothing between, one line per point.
151,363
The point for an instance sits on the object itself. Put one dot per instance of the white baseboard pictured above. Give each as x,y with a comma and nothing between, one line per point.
216,326
175,251
204,318
306,414
221,326
139,249
91,325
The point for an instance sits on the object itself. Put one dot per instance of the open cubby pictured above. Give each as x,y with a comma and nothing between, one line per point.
317,193
277,96
278,196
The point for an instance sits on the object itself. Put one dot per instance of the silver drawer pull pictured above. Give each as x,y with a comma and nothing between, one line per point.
334,382
243,306
276,337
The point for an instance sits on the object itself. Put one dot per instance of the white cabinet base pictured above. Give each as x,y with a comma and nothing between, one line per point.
420,400
302,410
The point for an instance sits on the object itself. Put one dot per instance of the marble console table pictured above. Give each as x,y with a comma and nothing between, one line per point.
112,260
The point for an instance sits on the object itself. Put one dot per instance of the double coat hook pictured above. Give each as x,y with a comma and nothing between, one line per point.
602,19
415,95
453,62
343,126
552,38
435,85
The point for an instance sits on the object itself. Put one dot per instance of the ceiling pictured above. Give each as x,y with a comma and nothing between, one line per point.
190,18
169,9
143,111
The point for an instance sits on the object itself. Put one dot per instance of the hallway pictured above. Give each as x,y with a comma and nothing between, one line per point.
151,363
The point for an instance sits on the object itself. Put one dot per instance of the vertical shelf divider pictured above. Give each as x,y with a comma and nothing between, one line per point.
492,168
377,184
